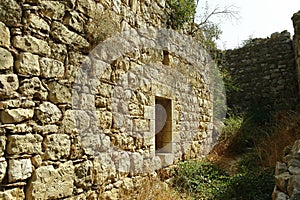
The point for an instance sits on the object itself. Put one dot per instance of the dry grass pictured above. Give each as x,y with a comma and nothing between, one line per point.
152,188
283,131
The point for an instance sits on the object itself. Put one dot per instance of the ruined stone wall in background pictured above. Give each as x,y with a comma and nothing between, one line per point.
265,73
52,145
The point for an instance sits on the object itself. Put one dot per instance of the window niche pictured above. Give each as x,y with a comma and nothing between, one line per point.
163,125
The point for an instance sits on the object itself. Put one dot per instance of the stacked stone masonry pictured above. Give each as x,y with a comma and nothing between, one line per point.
287,171
264,72
52,146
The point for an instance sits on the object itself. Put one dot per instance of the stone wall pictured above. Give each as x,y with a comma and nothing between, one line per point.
78,111
265,73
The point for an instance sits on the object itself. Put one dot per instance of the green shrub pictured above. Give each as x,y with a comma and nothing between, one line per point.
183,11
203,180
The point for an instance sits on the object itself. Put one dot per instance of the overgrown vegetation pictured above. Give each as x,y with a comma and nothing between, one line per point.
241,166
203,180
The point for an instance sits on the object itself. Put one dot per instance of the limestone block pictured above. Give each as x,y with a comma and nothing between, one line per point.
64,35
57,146
58,51
105,119
38,23
28,64
104,168
141,125
4,36
59,93
75,120
2,145
16,103
33,88
9,82
293,185
6,59
136,163
3,168
19,170
84,175
15,194
53,9
87,7
19,128
10,12
51,68
46,129
31,44
50,183
16,115
24,144
48,113
74,20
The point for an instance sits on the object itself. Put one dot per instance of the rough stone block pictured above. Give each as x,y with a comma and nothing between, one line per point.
51,68
57,146
9,82
48,113
6,59
33,88
28,64
4,37
74,20
19,170
15,194
24,144
59,93
31,44
16,115
84,175
3,169
105,119
64,35
53,9
38,23
50,183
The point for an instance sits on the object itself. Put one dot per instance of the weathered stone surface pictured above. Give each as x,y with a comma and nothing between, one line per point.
74,20
104,168
10,12
50,183
64,35
38,23
51,68
59,93
48,113
53,9
33,88
105,119
16,115
87,7
19,170
84,175
6,59
45,129
32,45
24,144
3,169
9,82
2,145
15,194
58,51
16,103
4,35
28,64
75,121
103,26
57,146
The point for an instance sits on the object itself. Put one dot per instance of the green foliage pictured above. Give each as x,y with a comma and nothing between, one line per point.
203,180
183,11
